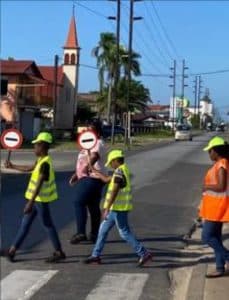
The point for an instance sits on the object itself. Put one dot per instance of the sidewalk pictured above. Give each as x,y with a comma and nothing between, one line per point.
201,288
188,282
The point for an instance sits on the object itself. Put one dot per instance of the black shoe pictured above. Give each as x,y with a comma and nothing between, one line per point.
77,238
144,259
92,260
56,257
9,256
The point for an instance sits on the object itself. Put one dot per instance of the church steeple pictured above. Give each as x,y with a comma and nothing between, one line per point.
71,47
72,40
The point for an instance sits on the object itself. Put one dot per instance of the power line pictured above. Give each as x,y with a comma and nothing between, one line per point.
91,10
159,35
89,66
146,47
164,30
210,72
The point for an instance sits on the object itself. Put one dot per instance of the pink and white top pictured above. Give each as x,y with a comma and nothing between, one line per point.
83,159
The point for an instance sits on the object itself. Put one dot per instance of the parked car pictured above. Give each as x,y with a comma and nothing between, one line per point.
118,131
220,127
183,133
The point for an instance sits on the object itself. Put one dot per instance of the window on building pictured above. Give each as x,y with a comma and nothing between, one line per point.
73,59
66,59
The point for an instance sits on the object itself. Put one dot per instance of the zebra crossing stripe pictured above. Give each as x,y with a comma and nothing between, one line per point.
119,286
23,284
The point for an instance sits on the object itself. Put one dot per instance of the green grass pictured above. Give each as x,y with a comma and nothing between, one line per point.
139,140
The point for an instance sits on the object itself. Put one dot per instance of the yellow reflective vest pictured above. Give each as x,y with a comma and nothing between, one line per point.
48,191
123,201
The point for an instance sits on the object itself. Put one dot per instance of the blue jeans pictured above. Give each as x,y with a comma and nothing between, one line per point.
120,219
88,193
41,209
212,235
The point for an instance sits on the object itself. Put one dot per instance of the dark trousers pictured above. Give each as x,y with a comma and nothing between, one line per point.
88,193
41,209
212,235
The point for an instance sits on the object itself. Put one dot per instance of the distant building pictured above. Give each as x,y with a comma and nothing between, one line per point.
162,111
67,81
32,87
204,110
24,78
90,100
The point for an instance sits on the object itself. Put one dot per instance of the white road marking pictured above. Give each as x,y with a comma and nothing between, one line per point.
119,286
23,284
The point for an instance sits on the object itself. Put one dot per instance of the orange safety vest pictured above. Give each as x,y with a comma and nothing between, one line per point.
215,205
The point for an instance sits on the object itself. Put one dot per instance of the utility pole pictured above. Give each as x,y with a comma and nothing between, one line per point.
77,86
56,61
174,91
131,22
200,81
116,79
77,77
183,85
195,94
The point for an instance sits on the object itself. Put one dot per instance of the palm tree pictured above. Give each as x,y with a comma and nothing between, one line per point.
124,62
104,53
139,97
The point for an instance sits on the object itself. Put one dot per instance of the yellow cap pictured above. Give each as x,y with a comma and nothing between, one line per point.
43,137
216,141
113,155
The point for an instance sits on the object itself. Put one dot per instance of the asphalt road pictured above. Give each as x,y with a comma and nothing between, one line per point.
167,186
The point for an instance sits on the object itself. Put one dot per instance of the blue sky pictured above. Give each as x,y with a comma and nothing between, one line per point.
198,29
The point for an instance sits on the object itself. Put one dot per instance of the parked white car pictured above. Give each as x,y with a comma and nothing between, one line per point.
183,133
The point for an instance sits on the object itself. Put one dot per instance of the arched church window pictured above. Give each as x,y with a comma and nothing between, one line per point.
73,59
66,59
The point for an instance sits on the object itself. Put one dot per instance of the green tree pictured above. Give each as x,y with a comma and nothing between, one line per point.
105,53
124,62
105,56
139,96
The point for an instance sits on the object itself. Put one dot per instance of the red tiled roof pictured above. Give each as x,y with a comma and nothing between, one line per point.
72,41
10,67
158,107
48,73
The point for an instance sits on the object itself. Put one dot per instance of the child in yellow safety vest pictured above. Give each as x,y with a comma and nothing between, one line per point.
41,191
118,202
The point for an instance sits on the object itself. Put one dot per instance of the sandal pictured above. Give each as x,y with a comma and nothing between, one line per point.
215,274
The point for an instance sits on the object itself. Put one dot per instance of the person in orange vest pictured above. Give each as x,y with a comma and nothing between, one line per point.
214,206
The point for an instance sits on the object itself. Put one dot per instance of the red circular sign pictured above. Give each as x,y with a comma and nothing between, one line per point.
11,139
87,139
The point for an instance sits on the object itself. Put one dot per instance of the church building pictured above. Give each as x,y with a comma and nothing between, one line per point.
33,88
